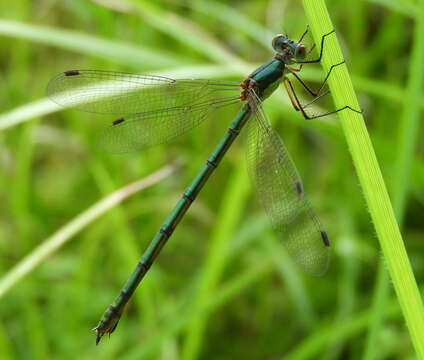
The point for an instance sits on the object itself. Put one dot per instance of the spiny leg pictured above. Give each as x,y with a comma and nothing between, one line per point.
292,69
301,38
317,95
315,99
333,112
308,89
321,51
298,107
295,101
303,35
310,50
293,97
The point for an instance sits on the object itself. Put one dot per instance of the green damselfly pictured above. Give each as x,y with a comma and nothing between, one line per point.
158,109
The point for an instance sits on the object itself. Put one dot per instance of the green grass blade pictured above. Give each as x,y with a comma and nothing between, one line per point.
230,213
410,120
292,279
403,7
408,138
237,20
229,290
26,112
313,346
119,52
179,28
370,177
64,234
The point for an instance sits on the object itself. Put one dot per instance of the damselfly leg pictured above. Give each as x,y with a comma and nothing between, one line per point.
317,95
321,49
299,107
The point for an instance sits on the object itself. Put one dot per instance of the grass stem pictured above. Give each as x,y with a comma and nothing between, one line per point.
370,177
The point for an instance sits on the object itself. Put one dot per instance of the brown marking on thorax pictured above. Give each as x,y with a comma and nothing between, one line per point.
246,85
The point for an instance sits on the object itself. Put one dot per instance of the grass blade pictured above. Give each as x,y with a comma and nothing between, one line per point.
370,178
64,234
408,138
122,53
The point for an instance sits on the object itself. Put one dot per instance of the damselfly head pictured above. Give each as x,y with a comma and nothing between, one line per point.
290,49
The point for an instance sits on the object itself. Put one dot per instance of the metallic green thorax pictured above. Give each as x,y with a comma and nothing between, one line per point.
268,76
265,79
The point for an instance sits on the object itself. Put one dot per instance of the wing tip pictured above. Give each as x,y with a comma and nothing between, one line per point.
118,121
71,73
325,238
299,188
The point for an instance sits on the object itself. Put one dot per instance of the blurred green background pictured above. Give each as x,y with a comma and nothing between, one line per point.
223,287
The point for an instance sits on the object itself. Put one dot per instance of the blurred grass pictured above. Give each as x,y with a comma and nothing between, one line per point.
223,287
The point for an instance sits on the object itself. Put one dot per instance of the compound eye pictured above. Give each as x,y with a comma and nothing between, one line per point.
279,43
300,52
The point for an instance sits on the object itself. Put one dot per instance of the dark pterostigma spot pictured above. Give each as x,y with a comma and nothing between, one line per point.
118,121
325,239
299,188
71,73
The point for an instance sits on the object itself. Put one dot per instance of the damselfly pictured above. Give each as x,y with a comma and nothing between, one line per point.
158,109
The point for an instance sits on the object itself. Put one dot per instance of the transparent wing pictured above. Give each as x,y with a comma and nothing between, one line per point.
143,130
108,92
280,191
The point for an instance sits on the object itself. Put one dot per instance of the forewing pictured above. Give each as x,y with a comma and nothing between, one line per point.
108,92
143,130
280,191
